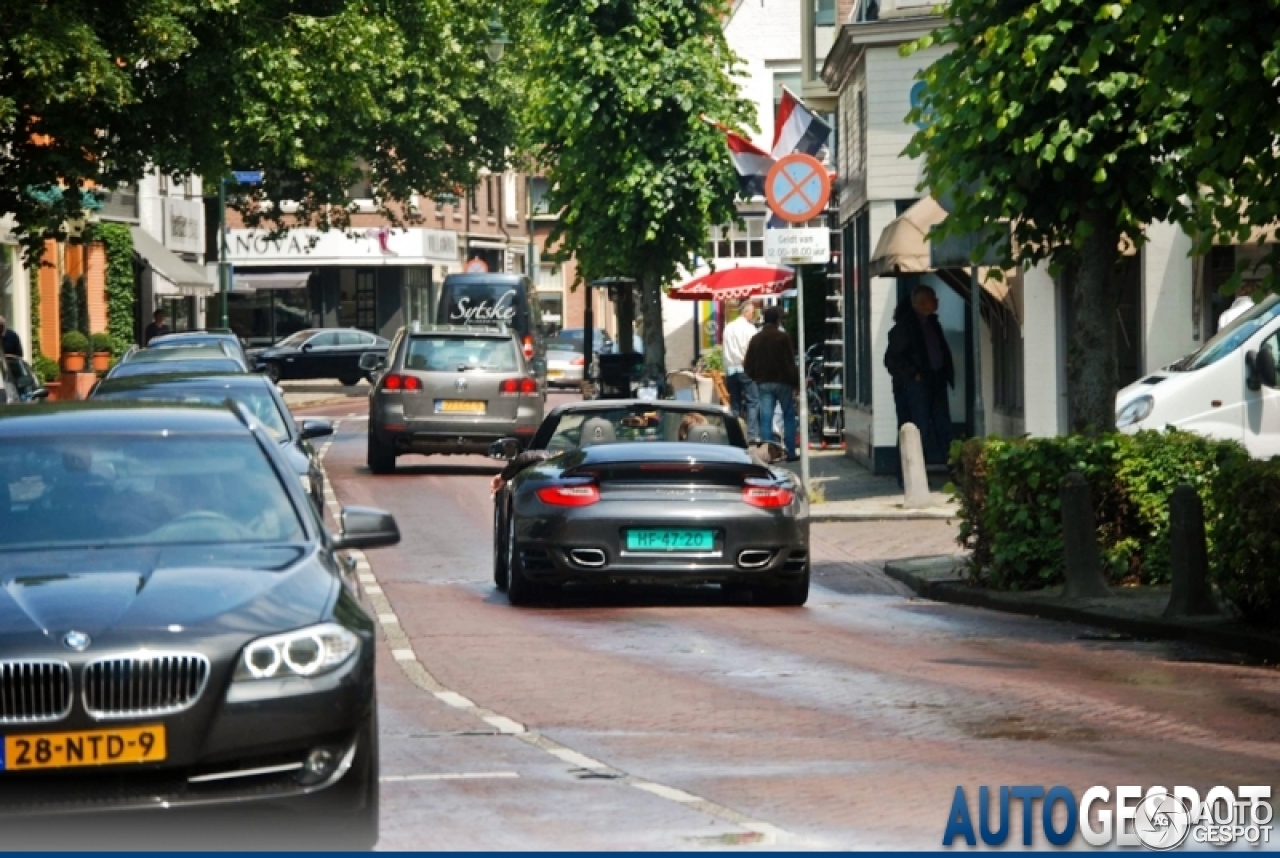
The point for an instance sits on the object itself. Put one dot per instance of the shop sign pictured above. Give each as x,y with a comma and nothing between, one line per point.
183,225
374,245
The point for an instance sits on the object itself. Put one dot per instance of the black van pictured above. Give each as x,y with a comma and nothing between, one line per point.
497,299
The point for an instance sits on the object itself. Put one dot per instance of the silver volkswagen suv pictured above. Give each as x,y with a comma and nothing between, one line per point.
450,390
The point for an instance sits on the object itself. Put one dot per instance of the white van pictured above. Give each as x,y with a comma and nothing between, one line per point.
1228,389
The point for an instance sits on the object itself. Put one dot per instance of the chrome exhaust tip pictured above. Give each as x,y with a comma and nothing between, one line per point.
590,557
754,558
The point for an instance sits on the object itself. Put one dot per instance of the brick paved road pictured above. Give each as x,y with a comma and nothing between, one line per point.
672,719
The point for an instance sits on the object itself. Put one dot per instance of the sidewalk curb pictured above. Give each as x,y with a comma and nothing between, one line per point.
1221,633
819,517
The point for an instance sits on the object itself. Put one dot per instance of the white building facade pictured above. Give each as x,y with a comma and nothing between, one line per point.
1161,313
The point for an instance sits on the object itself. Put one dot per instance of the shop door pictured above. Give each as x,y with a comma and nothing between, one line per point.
358,301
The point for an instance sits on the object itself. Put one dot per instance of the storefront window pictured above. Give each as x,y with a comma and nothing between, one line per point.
266,316
8,280
180,313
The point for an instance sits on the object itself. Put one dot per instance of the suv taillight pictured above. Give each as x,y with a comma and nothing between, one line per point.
582,495
518,387
528,347
767,497
396,383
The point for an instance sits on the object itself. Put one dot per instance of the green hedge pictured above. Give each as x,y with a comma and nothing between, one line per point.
118,243
1244,562
1010,510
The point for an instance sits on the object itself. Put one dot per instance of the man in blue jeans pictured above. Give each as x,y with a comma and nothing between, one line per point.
771,361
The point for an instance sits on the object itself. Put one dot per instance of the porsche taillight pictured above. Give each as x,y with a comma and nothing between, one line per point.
580,495
396,383
767,497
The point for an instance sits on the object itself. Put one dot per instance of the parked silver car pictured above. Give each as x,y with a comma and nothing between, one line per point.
449,390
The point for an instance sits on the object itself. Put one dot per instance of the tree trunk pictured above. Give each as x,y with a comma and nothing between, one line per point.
624,307
655,343
1091,364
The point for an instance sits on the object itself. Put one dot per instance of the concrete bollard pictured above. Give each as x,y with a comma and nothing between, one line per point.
915,479
1188,556
1083,560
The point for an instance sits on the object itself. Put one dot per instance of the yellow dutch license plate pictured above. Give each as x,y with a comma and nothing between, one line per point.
86,748
462,406
555,373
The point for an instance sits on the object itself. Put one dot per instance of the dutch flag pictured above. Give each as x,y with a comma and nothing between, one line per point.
751,162
797,128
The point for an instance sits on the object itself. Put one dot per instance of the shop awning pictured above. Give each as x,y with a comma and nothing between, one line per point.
903,248
182,276
248,281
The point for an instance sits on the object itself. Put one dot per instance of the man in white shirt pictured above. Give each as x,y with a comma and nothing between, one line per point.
1241,305
744,398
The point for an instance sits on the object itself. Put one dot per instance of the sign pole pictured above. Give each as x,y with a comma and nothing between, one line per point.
975,311
804,382
222,248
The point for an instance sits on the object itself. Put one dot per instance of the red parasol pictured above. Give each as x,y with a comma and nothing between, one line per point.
729,284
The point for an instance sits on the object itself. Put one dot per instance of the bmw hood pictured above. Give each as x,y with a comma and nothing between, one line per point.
116,594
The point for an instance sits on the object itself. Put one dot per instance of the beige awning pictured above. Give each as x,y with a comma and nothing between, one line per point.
181,276
903,247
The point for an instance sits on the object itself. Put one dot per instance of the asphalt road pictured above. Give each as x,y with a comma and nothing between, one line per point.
673,719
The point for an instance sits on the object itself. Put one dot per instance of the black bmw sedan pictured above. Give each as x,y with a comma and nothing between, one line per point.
320,353
255,392
648,491
181,647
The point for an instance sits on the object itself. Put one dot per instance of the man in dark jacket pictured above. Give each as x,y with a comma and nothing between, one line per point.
771,363
10,343
157,328
919,361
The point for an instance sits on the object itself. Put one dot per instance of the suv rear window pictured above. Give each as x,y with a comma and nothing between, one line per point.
455,354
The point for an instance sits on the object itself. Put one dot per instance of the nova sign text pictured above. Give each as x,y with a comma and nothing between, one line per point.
808,246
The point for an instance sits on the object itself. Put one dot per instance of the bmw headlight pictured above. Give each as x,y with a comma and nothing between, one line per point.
313,651
1135,411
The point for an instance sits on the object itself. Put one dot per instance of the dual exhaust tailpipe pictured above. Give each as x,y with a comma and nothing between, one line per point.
592,558
754,558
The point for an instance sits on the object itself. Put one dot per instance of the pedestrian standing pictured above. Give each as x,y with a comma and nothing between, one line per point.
744,396
10,343
771,363
919,361
157,328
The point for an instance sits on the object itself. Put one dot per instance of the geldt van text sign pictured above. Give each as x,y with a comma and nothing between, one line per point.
808,246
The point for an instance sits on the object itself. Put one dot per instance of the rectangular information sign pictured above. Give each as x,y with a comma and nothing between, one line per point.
805,246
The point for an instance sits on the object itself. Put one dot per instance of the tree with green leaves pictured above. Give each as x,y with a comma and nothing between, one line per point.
1036,117
319,94
619,92
1211,68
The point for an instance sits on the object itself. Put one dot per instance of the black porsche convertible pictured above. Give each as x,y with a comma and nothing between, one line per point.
634,490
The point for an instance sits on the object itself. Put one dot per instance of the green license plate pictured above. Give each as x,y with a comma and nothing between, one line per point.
670,540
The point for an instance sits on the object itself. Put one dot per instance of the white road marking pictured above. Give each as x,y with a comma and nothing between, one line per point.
402,652
448,776
454,699
573,758
669,793
504,724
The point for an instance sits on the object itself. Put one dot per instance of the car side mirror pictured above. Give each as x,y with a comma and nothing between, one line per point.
364,527
370,361
40,393
1261,366
306,347
315,428
506,449
261,367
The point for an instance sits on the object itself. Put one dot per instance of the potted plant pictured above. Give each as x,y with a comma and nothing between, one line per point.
101,344
74,346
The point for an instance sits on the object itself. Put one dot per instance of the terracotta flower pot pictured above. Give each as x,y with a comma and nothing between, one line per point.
101,361
73,361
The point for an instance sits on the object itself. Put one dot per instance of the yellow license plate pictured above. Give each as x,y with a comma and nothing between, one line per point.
555,373
86,748
464,406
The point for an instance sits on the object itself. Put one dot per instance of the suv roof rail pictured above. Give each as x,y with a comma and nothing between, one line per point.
460,329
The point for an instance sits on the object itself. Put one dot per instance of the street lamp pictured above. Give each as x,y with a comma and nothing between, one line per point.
498,40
